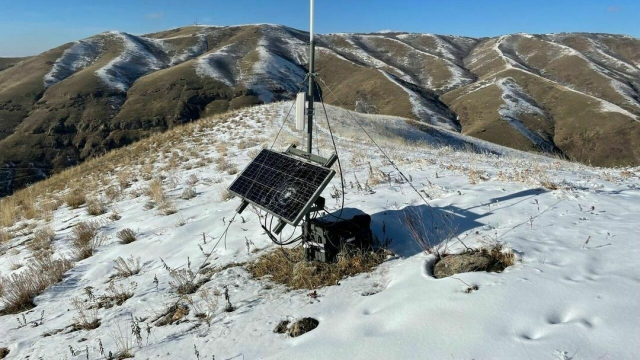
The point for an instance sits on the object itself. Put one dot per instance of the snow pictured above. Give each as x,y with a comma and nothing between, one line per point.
572,293
77,57
139,57
517,102
213,65
196,50
422,109
274,73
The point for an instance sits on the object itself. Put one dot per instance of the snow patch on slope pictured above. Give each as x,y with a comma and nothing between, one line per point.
191,52
421,108
274,74
80,55
517,102
139,57
214,65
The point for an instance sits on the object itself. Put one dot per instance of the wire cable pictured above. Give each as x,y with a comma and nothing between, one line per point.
335,147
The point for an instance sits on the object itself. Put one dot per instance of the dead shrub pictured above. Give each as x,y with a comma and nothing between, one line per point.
113,193
173,314
18,290
548,184
225,195
86,315
288,267
427,237
224,166
115,216
156,192
5,236
85,239
205,306
129,267
500,257
184,280
42,239
75,198
116,295
8,212
167,208
126,236
95,207
192,180
188,193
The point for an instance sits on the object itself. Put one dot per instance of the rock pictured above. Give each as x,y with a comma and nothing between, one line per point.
461,263
4,352
282,327
303,326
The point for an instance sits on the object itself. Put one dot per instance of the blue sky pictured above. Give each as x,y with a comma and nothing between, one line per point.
29,27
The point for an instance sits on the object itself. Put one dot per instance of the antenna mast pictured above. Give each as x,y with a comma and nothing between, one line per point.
312,55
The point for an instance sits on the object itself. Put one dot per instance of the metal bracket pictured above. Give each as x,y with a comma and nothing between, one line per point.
318,205
292,150
279,227
243,205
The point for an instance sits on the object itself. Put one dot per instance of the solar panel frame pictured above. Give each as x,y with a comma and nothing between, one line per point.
272,192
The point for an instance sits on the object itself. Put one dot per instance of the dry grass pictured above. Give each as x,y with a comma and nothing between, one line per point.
75,198
129,267
116,294
192,180
288,267
86,314
85,239
500,257
126,236
5,236
95,206
42,240
156,192
18,290
224,166
167,208
224,195
188,193
8,212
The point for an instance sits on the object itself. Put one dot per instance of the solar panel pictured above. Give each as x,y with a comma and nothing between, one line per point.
281,184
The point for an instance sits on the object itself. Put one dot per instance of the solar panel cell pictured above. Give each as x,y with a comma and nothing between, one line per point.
282,185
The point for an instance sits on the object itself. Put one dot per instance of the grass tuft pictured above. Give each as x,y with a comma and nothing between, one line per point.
19,289
85,239
126,236
288,267
75,198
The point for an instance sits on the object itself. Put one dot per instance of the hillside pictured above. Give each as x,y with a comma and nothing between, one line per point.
572,292
574,95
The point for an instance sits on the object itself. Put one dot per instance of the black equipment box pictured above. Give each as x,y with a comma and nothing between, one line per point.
325,238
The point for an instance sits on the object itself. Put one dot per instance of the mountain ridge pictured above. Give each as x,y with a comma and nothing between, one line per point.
571,94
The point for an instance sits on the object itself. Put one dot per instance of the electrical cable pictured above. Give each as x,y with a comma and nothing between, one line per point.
335,148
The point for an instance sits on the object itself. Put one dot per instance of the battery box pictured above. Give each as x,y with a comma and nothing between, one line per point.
326,237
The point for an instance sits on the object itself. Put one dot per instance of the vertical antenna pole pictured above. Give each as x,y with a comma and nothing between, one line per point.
312,55
311,80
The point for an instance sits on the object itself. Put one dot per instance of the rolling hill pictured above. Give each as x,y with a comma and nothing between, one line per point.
573,95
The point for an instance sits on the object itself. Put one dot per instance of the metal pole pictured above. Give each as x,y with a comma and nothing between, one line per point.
307,217
311,81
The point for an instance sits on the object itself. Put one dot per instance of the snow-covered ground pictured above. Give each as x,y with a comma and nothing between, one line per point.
571,295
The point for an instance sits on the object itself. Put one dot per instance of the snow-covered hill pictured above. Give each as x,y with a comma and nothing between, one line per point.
571,294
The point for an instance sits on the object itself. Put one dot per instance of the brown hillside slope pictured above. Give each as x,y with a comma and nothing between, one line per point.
570,94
